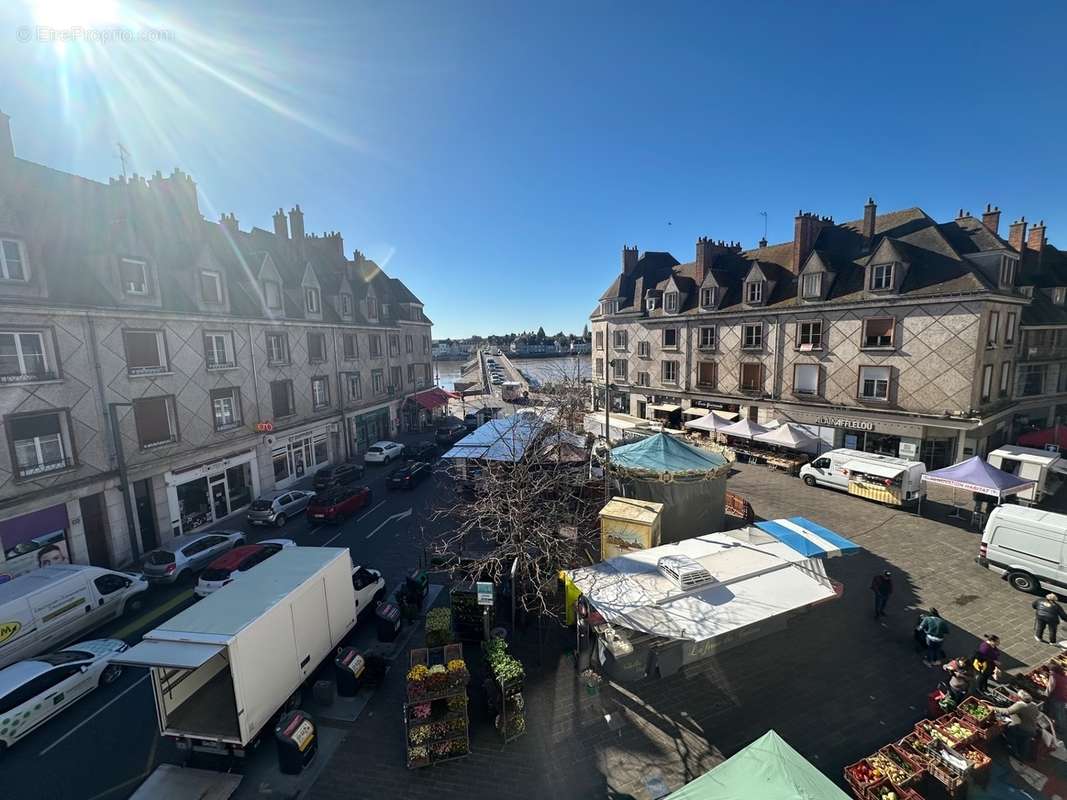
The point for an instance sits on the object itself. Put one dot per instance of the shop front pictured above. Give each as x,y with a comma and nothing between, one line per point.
37,539
422,410
367,428
299,454
206,493
934,446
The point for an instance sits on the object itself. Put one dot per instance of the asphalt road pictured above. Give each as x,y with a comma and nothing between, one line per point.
102,747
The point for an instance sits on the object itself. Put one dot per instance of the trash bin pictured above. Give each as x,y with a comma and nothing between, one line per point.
388,615
297,741
350,668
417,583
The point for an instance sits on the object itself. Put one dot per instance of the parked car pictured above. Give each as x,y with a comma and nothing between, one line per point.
34,691
420,451
186,555
275,508
383,452
447,434
1025,547
228,567
337,475
369,586
409,475
37,615
338,503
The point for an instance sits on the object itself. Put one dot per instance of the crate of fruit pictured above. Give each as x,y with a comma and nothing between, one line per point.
916,748
884,790
893,765
977,711
949,730
979,761
860,775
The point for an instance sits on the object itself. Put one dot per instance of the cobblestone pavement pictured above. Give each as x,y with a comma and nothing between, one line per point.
836,684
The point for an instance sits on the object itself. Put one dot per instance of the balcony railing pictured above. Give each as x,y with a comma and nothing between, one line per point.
28,377
153,370
42,468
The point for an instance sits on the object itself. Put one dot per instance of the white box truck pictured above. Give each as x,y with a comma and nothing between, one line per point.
223,668
1046,467
885,479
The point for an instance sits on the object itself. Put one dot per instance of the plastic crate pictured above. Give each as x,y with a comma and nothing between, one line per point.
852,779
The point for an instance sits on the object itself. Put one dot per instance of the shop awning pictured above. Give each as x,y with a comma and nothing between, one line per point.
808,538
431,398
666,408
874,468
694,412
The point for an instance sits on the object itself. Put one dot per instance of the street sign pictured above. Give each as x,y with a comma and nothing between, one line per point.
485,593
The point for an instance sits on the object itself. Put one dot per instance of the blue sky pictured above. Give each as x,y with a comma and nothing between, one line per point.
497,155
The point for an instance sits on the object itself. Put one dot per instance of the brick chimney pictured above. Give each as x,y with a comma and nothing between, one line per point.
991,217
1017,234
281,225
705,255
1036,240
870,212
629,259
806,229
296,224
229,222
7,144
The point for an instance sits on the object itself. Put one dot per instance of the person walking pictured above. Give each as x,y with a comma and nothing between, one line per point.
1048,614
935,630
882,586
986,660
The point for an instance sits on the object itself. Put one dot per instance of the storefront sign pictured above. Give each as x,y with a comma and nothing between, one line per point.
908,450
845,422
485,593
264,427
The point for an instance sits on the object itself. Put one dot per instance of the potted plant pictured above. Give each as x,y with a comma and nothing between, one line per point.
592,681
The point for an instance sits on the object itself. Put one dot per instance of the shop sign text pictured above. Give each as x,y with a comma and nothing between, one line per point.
845,422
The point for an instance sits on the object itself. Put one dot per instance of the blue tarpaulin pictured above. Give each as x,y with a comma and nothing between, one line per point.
663,453
806,537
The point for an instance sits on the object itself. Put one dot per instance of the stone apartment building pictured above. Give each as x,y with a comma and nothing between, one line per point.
893,333
225,362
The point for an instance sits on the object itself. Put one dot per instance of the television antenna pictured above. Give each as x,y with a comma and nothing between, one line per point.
123,155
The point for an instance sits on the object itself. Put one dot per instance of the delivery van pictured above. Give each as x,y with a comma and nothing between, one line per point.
885,479
1046,468
53,605
1025,546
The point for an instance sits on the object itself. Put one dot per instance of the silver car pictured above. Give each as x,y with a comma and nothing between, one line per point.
275,508
186,555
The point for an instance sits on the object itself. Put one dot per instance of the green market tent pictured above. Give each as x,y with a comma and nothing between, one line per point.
768,769
689,481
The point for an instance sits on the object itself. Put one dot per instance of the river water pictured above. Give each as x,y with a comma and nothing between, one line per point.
539,369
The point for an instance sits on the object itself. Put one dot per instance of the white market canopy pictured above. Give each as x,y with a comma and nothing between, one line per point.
788,434
745,429
710,422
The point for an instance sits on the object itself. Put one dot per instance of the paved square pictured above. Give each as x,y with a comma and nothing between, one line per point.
835,684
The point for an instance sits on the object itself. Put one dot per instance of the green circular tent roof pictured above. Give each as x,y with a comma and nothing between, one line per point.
662,453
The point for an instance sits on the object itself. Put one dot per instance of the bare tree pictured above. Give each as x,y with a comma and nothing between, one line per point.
527,502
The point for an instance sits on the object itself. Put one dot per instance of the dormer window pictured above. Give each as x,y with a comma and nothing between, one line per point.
372,308
13,260
707,298
650,302
346,304
670,302
881,277
811,286
1008,267
754,292
134,275
609,306
272,294
1059,295
311,300
211,287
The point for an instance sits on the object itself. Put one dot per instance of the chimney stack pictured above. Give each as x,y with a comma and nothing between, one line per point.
870,212
991,217
1036,240
806,229
704,257
629,259
7,144
296,224
229,222
1017,234
281,226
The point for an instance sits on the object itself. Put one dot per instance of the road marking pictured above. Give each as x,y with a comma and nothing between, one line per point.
338,534
401,515
96,713
155,613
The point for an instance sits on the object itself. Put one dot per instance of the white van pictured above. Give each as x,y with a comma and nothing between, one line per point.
886,479
1026,547
52,605
1044,466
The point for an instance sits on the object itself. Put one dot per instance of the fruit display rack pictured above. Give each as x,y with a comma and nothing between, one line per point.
436,724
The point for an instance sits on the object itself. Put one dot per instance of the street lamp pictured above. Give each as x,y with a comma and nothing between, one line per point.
124,482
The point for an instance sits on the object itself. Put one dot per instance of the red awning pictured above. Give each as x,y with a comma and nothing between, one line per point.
1056,436
431,398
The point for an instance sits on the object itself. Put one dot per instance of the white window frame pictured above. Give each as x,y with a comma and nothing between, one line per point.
881,274
312,300
800,386
319,336
168,402
378,380
1005,378
5,267
1009,328
753,292
320,392
24,375
760,371
756,342
620,340
875,380
346,304
38,444
217,278
670,302
812,340
375,345
993,333
650,303
708,338
707,297
350,337
277,337
644,379
211,339
1008,267
714,375
892,334
644,349
355,386
161,354
987,382
669,372
619,370
219,402
267,287
130,288
809,280
677,338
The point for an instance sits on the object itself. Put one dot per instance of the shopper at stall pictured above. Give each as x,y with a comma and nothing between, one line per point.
1056,703
986,659
959,682
882,586
1023,716
1048,614
935,630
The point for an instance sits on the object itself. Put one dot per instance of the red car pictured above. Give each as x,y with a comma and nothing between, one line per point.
338,503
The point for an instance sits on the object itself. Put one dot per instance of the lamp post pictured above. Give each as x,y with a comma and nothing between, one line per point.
124,482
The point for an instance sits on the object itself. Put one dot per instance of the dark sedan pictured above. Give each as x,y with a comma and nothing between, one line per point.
408,476
420,451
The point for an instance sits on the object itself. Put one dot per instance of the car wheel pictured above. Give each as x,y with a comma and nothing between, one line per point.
279,521
133,606
1023,582
809,480
110,674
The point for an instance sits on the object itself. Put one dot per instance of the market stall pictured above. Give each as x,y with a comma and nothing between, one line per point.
976,476
767,768
652,611
710,422
793,444
435,714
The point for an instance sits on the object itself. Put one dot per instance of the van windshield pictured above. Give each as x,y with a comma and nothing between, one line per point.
66,657
159,557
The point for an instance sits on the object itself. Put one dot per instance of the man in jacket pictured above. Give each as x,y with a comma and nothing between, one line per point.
882,586
1048,615
935,629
